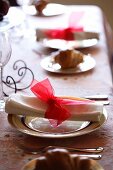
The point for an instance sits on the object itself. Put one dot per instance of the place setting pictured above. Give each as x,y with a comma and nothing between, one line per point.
43,8
65,38
68,61
70,34
48,116
68,119
68,42
56,117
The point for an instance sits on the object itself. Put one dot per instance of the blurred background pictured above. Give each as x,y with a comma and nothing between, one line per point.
105,5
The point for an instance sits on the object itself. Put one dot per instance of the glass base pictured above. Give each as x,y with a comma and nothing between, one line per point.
2,105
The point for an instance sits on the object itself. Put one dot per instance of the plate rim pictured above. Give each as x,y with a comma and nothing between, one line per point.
46,60
44,42
57,4
92,127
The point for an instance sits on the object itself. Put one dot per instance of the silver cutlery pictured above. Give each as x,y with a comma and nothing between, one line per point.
91,156
70,149
97,97
102,102
102,99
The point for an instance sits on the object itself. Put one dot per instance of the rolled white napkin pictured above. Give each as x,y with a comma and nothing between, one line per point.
80,35
32,106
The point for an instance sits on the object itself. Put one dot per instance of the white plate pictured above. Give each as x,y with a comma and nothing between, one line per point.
63,44
14,17
51,9
94,165
88,64
18,123
43,125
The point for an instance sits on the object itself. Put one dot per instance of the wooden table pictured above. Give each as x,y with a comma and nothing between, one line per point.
95,81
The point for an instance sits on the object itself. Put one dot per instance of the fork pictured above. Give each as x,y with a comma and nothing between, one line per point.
71,149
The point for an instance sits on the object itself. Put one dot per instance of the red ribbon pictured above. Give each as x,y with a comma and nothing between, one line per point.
56,112
67,33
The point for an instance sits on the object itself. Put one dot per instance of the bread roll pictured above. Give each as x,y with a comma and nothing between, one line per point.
40,5
68,58
61,159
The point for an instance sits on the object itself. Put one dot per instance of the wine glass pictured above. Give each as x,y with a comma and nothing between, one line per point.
5,54
24,4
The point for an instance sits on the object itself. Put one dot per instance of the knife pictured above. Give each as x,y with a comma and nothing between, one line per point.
97,97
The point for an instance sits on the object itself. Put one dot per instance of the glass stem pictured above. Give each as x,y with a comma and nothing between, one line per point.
1,84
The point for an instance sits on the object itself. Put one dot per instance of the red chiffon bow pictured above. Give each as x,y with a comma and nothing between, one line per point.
56,112
67,33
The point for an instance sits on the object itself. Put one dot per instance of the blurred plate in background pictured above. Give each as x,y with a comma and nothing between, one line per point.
51,9
88,64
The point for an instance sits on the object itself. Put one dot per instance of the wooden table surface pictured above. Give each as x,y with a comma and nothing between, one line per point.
95,81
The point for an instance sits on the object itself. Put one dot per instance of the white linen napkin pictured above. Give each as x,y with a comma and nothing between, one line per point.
32,106
80,35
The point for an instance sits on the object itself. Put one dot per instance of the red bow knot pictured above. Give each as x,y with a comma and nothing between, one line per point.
65,34
56,111
51,101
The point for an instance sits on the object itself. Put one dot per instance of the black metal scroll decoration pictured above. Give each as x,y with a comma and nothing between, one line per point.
21,72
